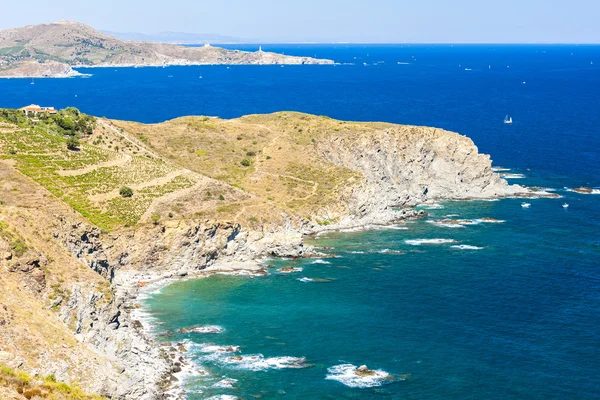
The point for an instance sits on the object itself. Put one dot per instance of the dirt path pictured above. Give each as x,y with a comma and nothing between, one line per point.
106,124
118,162
163,180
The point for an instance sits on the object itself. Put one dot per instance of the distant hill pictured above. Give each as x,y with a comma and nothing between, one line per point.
177,37
72,44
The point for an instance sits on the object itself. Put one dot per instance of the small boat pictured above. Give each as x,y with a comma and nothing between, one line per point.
566,205
32,82
508,120
525,205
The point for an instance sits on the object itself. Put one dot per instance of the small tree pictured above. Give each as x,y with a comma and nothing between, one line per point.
72,143
126,191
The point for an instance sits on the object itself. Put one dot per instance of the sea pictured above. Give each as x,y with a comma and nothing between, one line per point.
499,308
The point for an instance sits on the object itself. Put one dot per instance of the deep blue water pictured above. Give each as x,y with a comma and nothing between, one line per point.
519,318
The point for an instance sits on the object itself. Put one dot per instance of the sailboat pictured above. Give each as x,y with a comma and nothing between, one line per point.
508,120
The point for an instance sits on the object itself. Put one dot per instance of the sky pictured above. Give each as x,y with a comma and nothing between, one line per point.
383,21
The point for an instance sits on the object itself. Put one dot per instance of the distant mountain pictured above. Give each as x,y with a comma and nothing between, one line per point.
177,37
27,51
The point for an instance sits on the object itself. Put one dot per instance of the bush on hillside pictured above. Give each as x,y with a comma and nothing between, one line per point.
126,191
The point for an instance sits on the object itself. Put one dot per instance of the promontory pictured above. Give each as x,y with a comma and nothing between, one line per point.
53,50
92,209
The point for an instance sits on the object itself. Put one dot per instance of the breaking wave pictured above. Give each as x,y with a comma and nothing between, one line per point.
466,247
319,261
419,242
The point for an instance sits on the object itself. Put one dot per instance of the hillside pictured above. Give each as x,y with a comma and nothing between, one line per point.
313,170
92,209
72,44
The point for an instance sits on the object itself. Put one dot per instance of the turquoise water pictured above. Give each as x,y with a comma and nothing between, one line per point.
517,318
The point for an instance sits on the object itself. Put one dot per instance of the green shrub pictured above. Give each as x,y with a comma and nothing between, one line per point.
19,247
72,143
245,162
251,154
221,197
126,191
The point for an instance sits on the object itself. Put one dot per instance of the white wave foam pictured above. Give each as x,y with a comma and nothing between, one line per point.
259,363
512,176
356,252
346,374
203,329
211,348
223,397
389,251
305,280
419,242
491,221
226,383
434,206
319,261
466,247
500,169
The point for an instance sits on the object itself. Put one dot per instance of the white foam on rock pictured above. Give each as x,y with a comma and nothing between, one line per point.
203,329
346,374
211,348
226,383
290,270
258,362
446,224
419,242
305,280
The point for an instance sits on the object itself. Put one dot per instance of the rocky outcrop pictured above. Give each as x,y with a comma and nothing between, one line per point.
405,166
35,69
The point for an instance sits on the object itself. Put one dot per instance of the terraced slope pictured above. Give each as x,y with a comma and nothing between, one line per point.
89,178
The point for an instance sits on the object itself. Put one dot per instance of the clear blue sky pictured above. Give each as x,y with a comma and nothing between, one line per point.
455,21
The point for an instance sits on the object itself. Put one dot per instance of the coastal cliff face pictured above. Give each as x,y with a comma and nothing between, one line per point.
406,166
209,196
49,50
